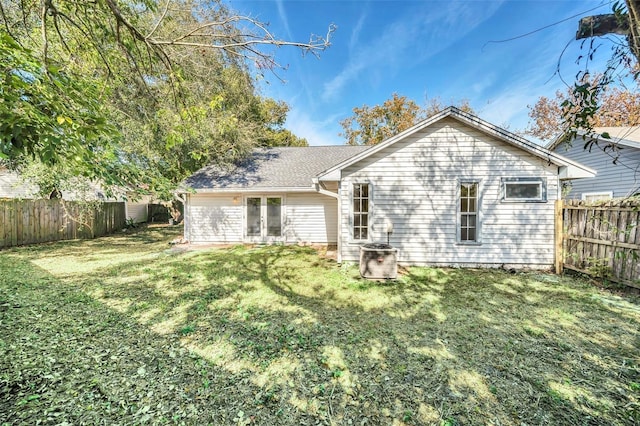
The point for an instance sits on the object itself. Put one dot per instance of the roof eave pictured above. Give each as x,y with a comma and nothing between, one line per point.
330,174
575,172
619,141
471,120
252,190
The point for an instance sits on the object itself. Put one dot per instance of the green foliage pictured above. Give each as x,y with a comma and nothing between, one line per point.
138,94
47,113
93,328
581,110
372,125
187,329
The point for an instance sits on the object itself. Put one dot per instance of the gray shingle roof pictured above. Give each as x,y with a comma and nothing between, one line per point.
284,167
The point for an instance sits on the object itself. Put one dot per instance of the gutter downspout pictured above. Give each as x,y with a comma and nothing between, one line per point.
321,190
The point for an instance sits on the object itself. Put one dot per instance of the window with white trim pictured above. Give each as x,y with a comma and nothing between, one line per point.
524,189
592,197
361,201
468,223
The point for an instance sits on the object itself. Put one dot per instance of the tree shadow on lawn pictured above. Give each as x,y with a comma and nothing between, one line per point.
290,338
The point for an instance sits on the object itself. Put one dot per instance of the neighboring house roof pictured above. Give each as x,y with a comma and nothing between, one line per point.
279,168
623,135
569,169
12,185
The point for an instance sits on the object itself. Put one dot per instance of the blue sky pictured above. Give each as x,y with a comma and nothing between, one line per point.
421,49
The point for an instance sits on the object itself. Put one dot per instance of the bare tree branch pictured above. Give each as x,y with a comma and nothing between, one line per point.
164,14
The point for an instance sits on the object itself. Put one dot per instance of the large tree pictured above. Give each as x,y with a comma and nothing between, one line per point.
371,125
588,95
616,107
122,90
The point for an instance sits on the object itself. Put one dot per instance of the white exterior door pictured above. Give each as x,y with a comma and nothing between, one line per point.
263,218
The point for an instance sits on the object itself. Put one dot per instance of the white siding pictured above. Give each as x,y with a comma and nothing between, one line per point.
414,185
137,211
214,218
308,218
622,178
311,218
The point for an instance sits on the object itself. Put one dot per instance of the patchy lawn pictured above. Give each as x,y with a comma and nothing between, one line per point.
125,330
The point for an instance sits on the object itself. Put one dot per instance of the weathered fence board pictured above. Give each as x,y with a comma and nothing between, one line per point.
603,239
25,222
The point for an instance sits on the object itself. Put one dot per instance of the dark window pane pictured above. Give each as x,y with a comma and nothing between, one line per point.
365,191
464,205
471,235
356,220
365,206
253,217
472,205
464,192
473,190
274,217
463,234
463,221
363,233
365,220
472,221
519,190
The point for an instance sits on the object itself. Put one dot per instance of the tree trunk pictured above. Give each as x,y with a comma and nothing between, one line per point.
633,6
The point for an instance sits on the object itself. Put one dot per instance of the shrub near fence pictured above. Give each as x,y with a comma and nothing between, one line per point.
603,239
37,221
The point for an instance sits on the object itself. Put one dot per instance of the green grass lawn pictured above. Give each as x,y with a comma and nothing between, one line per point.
126,330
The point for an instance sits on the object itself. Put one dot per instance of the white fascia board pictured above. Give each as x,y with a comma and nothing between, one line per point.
332,176
570,169
574,172
582,136
310,188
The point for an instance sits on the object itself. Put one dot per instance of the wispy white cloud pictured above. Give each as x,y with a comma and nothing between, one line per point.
282,13
317,132
513,75
355,33
410,40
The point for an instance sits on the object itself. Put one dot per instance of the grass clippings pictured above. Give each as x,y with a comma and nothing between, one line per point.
124,330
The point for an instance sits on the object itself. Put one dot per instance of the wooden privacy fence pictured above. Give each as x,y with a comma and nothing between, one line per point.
37,221
158,213
603,239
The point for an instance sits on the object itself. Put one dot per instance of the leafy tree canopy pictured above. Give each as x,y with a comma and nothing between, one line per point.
591,97
372,125
616,107
136,91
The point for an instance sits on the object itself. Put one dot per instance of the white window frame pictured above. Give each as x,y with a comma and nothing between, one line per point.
540,181
607,195
478,214
353,213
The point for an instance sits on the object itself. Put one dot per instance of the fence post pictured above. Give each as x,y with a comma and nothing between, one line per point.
558,236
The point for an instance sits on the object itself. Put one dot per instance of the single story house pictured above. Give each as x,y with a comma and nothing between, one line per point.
12,186
455,189
614,179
